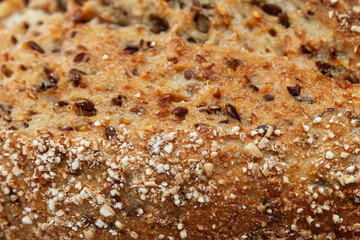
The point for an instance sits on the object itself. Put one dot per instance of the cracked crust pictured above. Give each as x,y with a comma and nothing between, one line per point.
179,119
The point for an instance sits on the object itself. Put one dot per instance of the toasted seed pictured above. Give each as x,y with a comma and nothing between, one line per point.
271,9
110,132
231,110
188,74
7,117
117,101
204,110
86,107
284,20
83,128
35,46
253,87
328,110
67,128
294,91
202,22
79,57
62,103
44,134
305,99
77,71
217,93
269,97
180,112
215,108
226,121
131,49
197,125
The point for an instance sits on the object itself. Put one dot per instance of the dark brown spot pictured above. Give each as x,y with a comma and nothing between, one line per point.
61,5
76,77
262,129
202,22
333,52
62,103
272,32
35,46
180,112
217,93
269,97
284,20
158,24
200,59
294,91
306,49
73,34
234,63
253,87
135,72
288,122
110,132
188,74
14,40
117,101
271,9
131,49
231,110
86,107
6,71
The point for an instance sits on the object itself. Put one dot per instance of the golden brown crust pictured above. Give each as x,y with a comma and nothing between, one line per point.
179,119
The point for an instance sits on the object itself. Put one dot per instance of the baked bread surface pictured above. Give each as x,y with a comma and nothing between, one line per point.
151,119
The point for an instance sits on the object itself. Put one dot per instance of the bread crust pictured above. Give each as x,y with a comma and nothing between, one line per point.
179,119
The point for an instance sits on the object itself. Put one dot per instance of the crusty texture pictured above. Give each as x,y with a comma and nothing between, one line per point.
234,120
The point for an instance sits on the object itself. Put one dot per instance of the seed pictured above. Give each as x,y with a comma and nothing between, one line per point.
269,97
253,87
79,57
117,101
67,128
224,121
205,110
35,46
294,91
87,108
197,125
202,22
180,112
284,20
77,71
231,110
272,32
44,134
62,103
131,49
7,117
188,74
110,132
271,9
215,108
83,128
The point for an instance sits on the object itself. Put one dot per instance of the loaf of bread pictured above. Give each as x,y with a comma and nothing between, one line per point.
179,119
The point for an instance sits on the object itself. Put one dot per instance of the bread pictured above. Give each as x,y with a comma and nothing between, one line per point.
179,119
